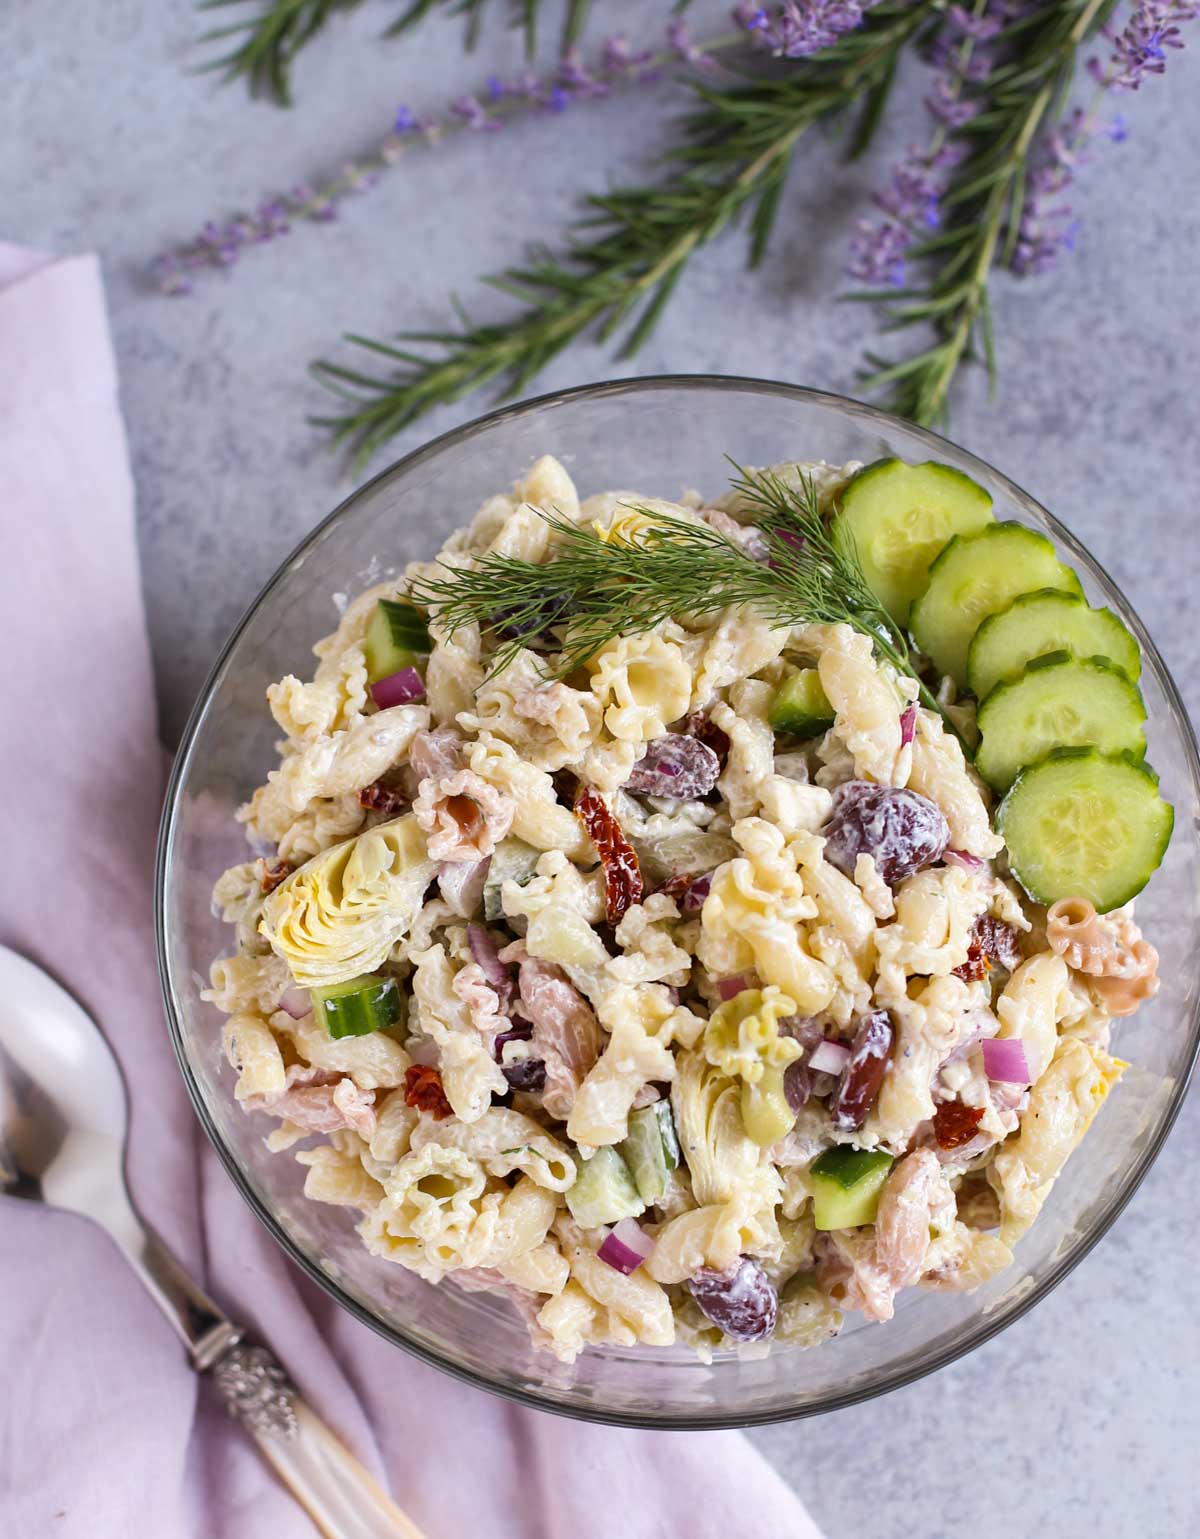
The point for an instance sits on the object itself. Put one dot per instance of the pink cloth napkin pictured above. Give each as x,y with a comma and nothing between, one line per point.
104,1429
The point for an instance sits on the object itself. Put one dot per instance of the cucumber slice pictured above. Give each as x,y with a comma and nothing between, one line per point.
651,1150
396,638
358,1006
1083,825
898,517
800,706
846,1184
978,575
512,861
1037,623
604,1191
1059,701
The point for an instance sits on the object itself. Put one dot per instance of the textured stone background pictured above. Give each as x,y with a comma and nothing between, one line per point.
1082,1420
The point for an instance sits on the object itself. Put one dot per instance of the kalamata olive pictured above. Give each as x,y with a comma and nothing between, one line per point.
675,765
901,831
532,626
741,1301
864,1071
527,1074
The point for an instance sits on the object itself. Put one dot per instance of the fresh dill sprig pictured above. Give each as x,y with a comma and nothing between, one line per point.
981,210
275,34
612,587
633,244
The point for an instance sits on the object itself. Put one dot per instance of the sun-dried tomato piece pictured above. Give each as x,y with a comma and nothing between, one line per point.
623,884
992,943
271,872
700,725
381,797
864,1071
955,1124
423,1089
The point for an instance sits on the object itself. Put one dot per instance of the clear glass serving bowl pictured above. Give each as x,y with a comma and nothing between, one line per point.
656,436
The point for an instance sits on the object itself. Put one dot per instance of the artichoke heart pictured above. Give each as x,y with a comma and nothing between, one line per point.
341,913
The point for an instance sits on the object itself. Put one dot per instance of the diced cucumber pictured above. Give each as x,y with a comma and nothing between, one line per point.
358,1006
397,637
978,575
651,1150
800,705
846,1184
1037,623
1058,701
512,861
899,517
1085,825
604,1191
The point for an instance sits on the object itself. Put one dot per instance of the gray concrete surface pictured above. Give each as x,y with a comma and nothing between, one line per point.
1081,1421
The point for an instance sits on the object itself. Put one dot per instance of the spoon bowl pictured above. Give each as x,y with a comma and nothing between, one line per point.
63,1110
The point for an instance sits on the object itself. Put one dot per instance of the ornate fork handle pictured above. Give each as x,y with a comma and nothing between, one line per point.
320,1471
337,1492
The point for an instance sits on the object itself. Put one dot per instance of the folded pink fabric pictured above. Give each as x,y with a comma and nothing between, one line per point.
104,1430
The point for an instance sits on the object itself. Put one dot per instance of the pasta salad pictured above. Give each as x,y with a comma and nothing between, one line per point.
696,921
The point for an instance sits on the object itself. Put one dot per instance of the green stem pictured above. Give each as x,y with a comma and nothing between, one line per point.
962,330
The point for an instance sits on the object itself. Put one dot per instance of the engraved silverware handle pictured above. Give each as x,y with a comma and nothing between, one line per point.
323,1475
343,1500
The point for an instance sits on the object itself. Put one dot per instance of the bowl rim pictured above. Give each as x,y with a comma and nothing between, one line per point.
985,1328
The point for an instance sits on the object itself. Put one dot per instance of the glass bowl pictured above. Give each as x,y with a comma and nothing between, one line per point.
660,436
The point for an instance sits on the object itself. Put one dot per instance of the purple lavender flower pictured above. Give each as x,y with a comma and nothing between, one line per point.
800,28
471,111
948,106
405,122
617,58
684,47
1140,48
878,253
575,77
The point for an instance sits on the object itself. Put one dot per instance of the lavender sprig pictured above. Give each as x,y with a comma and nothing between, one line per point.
634,243
219,245
984,208
1047,226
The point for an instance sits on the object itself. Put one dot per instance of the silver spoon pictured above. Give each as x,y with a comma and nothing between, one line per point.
63,1125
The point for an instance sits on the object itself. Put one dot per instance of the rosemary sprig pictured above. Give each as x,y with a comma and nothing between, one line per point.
633,244
624,586
279,30
982,212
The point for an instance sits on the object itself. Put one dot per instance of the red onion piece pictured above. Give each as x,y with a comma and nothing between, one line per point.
423,1051
963,859
626,1246
487,954
1004,1059
398,689
908,725
460,883
829,1058
295,1002
730,988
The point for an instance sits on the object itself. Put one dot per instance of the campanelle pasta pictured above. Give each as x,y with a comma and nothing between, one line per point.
503,1026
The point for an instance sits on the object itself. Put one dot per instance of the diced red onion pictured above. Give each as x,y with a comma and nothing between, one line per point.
730,988
424,1051
460,882
963,859
908,725
1004,1059
400,688
626,1246
829,1058
487,954
295,1002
